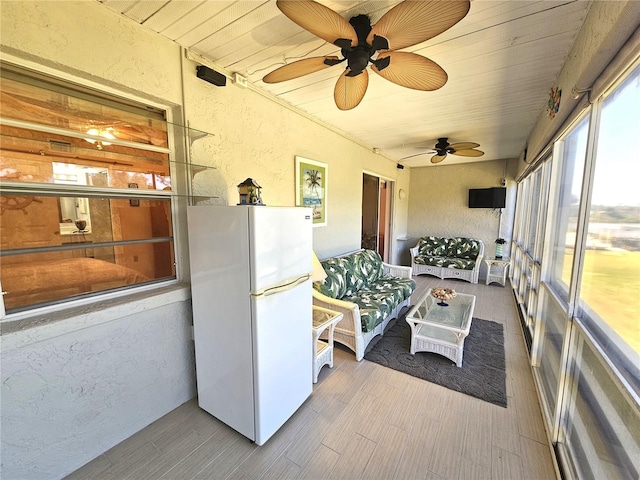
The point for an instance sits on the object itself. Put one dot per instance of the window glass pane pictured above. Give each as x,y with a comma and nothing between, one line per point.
601,429
566,216
534,199
34,100
65,231
553,327
40,278
611,275
32,156
78,261
37,221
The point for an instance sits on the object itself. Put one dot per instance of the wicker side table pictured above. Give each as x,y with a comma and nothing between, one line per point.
497,270
323,318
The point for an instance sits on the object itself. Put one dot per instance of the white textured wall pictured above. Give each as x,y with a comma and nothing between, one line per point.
73,388
439,203
258,138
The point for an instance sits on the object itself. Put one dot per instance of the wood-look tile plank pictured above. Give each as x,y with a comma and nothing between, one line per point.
520,372
354,459
477,441
281,469
416,457
235,452
171,454
450,437
202,456
320,466
374,425
506,466
347,422
389,449
238,475
505,433
344,384
513,345
529,417
93,469
133,462
537,463
308,440
433,476
262,457
470,470
403,414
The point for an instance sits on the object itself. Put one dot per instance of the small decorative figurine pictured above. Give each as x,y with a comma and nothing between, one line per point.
250,192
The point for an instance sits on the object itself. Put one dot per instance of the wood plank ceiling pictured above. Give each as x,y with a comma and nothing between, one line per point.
502,59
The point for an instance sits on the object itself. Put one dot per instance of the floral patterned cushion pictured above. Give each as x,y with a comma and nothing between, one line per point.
358,278
447,262
461,247
367,266
433,246
335,285
379,299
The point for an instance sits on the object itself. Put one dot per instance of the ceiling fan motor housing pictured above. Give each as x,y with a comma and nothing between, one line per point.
359,57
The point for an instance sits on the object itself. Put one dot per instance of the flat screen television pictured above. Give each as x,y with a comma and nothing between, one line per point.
487,197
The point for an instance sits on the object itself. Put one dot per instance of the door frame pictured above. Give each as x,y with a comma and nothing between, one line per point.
391,186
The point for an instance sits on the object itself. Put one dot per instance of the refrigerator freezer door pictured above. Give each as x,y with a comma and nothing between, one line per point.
282,356
219,251
280,245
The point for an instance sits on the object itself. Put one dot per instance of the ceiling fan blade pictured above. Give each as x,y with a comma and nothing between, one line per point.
410,70
468,153
463,145
438,158
319,20
350,91
298,68
410,23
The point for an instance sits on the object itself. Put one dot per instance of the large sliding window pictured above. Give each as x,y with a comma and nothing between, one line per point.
611,271
568,162
586,344
86,193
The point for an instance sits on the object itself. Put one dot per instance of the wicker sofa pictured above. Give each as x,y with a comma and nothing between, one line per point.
455,257
367,291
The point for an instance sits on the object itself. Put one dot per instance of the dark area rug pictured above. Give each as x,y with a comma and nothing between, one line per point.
482,374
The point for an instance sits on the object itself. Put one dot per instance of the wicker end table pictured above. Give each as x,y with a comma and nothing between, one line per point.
323,319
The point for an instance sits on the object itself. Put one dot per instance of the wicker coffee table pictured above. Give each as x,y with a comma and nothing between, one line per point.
438,329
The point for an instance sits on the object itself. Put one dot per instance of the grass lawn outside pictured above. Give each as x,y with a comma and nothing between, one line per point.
611,287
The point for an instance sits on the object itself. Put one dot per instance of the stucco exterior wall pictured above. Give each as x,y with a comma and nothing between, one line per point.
439,204
258,138
77,382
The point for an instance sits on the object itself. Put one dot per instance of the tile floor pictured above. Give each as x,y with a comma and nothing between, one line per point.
363,421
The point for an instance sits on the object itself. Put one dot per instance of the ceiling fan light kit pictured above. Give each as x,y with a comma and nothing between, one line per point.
361,44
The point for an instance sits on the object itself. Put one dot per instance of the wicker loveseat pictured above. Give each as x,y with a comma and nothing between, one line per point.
456,257
367,291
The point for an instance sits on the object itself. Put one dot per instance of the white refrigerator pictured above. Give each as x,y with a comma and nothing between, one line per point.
252,316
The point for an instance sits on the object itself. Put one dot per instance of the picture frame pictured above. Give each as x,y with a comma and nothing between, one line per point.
311,188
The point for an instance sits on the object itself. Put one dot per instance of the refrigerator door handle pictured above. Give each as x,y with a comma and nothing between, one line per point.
282,287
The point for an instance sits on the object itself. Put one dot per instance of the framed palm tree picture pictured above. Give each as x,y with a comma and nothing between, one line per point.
311,188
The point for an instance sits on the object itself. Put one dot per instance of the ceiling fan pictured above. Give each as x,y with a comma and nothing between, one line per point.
406,24
444,148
